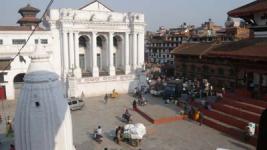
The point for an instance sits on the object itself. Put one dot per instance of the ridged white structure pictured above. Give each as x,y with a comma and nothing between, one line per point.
43,119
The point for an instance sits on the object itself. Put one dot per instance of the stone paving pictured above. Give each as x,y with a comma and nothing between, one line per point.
181,135
156,104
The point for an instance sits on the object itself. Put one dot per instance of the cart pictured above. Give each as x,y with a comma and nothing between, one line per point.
133,133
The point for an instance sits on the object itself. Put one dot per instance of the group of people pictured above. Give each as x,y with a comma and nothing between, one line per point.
98,133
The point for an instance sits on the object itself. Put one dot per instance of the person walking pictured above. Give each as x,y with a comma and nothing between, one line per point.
106,99
134,105
201,118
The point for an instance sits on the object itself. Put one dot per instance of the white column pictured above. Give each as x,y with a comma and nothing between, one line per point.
71,50
65,53
127,68
111,67
10,90
77,71
134,51
141,51
95,70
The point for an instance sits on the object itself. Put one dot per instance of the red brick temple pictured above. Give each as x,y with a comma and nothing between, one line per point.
233,64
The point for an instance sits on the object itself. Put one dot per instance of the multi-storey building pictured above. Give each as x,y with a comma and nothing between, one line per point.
160,44
99,48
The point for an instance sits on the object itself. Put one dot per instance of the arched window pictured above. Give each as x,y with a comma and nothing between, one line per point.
99,41
19,78
115,42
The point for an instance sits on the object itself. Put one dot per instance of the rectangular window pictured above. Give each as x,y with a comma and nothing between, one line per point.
82,62
36,41
18,41
1,78
1,42
98,61
114,59
44,41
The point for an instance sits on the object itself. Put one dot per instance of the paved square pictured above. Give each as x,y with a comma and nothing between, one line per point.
181,135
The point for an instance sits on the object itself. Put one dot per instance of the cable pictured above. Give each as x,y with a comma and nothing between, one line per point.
35,27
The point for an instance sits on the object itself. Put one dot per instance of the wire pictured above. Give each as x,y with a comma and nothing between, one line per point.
29,37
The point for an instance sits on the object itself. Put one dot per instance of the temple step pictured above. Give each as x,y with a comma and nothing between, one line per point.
241,113
230,120
227,129
242,105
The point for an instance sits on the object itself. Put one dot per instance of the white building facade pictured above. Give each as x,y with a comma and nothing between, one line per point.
93,49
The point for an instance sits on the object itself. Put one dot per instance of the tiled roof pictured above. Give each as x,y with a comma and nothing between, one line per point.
19,28
192,49
249,48
248,9
243,49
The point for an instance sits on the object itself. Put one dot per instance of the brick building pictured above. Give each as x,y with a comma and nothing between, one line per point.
241,63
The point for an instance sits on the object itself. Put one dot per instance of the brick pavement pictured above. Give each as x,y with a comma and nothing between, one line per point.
181,135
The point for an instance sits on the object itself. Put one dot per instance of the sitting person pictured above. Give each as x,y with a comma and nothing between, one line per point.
114,93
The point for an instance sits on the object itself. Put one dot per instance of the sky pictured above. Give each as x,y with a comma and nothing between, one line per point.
168,13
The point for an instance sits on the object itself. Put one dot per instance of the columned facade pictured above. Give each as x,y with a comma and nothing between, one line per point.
101,52
99,46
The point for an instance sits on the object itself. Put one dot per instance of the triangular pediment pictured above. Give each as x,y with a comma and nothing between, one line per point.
96,6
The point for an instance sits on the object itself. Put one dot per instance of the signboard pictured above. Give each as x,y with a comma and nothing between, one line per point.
108,78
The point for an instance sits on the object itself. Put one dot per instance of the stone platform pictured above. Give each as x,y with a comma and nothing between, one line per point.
157,112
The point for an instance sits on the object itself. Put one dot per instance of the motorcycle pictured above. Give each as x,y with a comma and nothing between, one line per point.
142,102
126,118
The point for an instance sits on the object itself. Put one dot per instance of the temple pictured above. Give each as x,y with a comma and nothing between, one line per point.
42,119
238,64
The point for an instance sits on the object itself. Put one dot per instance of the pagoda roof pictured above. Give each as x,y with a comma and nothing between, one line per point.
28,8
249,9
29,19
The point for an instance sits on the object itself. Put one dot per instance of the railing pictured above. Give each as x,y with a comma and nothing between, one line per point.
13,49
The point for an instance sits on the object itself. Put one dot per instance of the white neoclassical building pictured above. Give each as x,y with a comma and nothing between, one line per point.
93,49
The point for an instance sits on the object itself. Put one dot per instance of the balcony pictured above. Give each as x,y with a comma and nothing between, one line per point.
7,50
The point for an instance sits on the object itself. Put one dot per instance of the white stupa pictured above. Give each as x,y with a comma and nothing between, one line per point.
42,120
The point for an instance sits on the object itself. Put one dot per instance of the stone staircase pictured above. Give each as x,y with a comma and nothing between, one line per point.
232,114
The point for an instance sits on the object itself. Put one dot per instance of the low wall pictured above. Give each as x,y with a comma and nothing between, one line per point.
97,86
